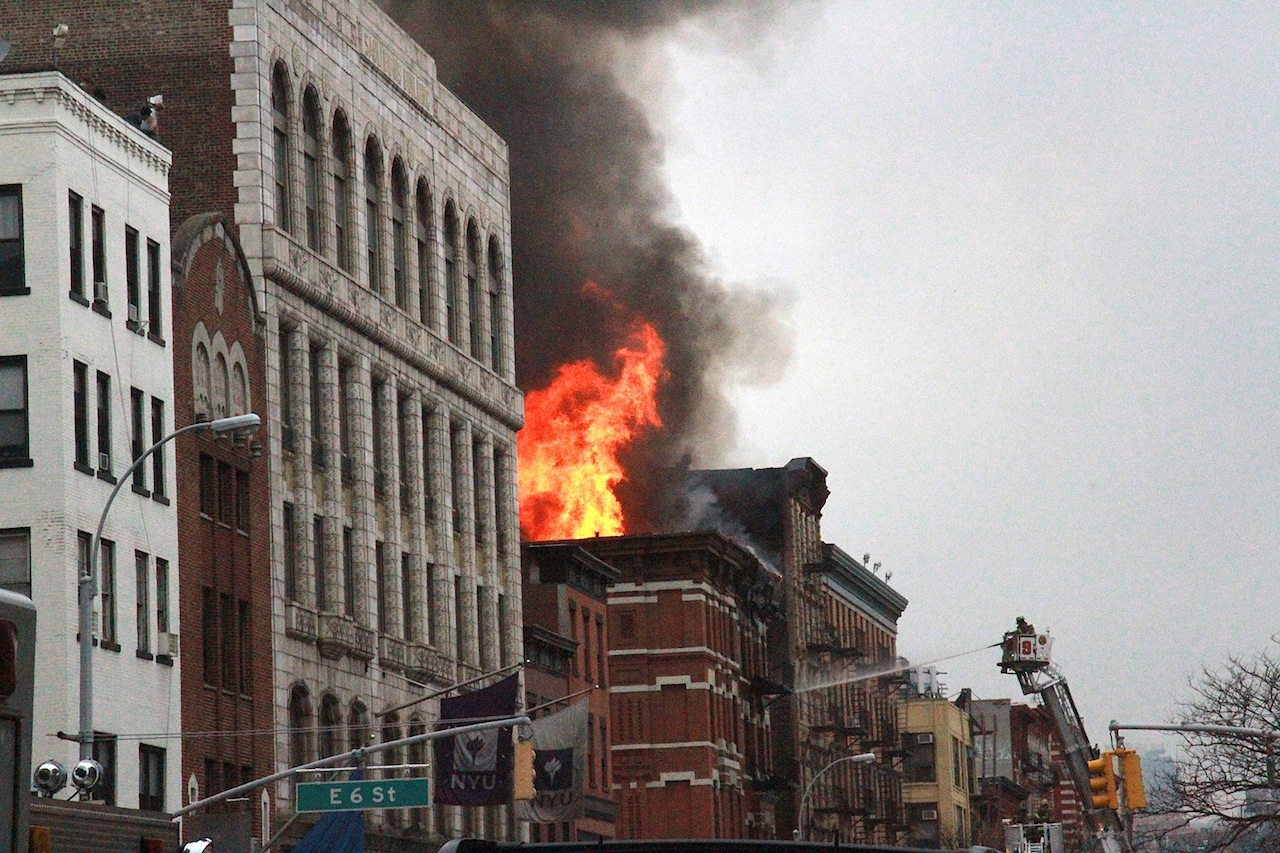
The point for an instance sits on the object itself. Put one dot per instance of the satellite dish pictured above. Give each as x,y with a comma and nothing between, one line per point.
5,47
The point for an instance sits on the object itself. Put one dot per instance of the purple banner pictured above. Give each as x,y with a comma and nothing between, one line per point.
475,769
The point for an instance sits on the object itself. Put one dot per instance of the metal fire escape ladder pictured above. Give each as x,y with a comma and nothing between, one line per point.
1037,676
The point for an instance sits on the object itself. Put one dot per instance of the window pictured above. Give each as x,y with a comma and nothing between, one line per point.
591,750
322,580
573,630
299,725
422,232
226,493
15,560
104,426
348,573
137,411
403,404
451,271
344,421
13,274
104,752
342,190
381,582
477,486
330,726
150,777
162,596
209,635
473,289
600,654
14,431
242,501
244,648
399,235
133,283
311,166
75,220
290,546
142,599
228,641
455,466
458,621
379,446
317,422
357,725
495,306
287,424
107,592
280,143
408,612
603,754
373,212
499,490
586,646
155,325
157,458
428,481
98,221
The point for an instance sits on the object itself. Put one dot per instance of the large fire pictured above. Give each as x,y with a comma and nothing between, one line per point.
574,429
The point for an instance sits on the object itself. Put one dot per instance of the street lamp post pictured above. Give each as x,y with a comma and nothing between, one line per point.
860,758
89,578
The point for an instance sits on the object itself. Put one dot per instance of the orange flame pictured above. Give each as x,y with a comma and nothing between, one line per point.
574,429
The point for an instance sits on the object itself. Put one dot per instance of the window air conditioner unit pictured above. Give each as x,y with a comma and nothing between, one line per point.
928,814
167,644
924,738
104,461
134,319
99,291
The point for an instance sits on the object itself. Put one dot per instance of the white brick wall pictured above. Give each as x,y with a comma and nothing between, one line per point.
55,138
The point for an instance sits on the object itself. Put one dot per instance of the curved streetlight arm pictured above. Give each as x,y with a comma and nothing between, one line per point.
89,578
860,758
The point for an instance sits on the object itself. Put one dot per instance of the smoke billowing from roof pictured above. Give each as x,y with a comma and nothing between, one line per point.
589,204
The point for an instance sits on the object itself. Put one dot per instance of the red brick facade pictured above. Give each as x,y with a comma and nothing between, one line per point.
564,594
223,535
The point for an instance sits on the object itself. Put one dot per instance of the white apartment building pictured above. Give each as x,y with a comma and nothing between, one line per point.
86,384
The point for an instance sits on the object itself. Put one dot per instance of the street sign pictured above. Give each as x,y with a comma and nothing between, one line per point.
364,794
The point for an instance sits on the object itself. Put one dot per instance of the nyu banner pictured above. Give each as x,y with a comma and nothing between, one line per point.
559,766
475,769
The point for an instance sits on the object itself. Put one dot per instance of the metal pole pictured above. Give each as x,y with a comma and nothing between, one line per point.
1241,731
89,579
860,758
351,755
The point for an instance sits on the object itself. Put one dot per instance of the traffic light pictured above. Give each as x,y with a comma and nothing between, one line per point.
523,770
1135,796
1102,781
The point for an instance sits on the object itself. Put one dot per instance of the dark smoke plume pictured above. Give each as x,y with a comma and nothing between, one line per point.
589,204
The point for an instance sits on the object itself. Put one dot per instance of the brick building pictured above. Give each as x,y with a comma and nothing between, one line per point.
564,597
86,386
938,769
372,208
689,618
223,493
1019,768
840,620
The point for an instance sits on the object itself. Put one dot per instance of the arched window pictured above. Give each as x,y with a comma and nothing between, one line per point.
495,305
357,725
239,390
399,234
280,140
311,165
330,726
373,211
299,726
451,271
473,288
201,370
220,382
342,190
422,237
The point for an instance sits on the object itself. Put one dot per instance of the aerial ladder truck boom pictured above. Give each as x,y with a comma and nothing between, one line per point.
1026,654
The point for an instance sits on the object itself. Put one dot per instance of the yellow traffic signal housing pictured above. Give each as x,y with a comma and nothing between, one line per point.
1102,781
523,770
1135,796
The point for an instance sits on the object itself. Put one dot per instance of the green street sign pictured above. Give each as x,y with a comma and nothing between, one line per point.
364,794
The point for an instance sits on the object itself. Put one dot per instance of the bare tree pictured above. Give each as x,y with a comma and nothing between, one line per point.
1225,784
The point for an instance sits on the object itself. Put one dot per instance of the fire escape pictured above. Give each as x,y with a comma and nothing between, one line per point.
850,803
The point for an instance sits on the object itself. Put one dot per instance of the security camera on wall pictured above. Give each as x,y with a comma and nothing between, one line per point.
50,778
86,775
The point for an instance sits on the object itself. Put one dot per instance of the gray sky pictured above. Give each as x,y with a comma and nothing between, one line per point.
1033,252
